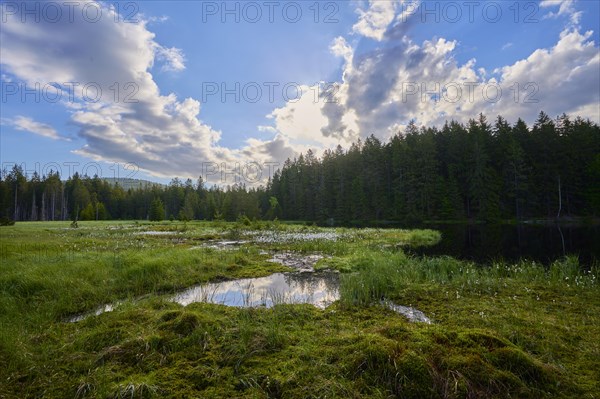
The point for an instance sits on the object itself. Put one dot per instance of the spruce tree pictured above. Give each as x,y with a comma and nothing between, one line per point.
157,210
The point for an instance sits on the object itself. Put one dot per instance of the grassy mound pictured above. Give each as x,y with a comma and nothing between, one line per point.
160,349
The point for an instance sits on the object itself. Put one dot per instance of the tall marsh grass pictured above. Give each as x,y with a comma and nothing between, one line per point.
384,275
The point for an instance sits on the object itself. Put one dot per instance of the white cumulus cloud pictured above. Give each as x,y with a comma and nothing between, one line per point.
374,21
27,124
565,8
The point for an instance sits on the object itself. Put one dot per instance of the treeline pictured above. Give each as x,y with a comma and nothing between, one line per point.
480,171
93,198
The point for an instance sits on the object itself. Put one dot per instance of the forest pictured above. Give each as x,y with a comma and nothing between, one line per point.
479,171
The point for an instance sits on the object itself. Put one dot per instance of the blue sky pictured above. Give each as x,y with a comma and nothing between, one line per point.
175,58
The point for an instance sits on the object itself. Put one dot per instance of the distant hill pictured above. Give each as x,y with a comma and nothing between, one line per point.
127,183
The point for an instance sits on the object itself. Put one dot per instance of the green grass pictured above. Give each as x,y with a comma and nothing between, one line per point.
161,350
383,275
518,330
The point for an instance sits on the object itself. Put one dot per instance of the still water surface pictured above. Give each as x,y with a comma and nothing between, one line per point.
319,289
544,244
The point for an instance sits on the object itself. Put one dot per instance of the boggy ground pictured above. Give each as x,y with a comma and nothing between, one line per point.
498,331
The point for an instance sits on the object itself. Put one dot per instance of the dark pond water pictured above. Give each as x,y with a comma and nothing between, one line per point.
541,243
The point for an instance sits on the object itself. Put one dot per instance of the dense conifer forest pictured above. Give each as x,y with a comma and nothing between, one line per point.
479,171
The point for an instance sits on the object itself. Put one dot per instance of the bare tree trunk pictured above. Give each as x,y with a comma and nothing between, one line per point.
53,204
63,211
516,192
16,198
468,208
559,199
43,206
33,208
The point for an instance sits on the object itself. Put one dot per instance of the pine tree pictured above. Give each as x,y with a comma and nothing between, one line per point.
157,210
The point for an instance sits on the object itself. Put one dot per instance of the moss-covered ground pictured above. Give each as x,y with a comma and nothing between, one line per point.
513,331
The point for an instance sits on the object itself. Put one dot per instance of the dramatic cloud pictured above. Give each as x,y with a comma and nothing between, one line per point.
104,70
384,88
301,119
318,119
566,79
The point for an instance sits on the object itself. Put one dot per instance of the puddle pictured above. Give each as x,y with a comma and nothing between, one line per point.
300,262
124,227
304,285
277,237
102,309
156,233
221,245
273,237
318,289
270,237
411,314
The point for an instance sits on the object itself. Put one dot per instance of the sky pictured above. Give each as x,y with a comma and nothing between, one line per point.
228,90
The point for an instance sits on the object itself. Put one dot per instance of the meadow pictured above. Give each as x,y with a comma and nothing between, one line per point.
498,330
